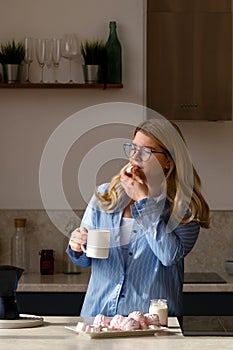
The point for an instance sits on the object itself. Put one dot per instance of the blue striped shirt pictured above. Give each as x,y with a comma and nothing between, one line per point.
154,266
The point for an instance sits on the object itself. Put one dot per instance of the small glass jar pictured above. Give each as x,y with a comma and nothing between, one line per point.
46,262
19,245
159,307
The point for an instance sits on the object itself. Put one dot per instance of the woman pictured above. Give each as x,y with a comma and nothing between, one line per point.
154,210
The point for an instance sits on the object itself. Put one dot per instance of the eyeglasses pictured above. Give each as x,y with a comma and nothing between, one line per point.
143,152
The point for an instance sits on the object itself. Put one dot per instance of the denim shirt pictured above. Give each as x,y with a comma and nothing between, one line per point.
154,266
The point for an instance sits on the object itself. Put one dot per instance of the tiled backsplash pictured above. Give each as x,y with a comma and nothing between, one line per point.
211,249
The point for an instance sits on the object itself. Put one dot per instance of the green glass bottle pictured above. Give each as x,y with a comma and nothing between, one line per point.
113,50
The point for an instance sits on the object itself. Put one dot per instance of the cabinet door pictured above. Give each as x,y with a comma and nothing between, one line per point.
170,63
213,83
50,303
189,68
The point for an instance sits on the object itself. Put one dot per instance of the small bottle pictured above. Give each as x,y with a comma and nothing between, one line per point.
46,262
68,266
113,51
19,251
159,307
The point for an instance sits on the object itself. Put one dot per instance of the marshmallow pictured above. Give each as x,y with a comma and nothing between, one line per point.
81,327
129,324
152,319
101,320
138,316
116,322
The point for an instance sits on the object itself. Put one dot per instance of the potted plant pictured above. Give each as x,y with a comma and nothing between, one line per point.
11,57
94,56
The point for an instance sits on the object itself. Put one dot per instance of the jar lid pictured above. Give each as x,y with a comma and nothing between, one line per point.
46,252
20,222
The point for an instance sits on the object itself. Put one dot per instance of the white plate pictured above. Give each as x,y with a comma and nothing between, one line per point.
24,321
113,334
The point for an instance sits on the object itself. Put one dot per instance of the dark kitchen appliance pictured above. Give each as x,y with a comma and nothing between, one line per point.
9,277
206,314
208,325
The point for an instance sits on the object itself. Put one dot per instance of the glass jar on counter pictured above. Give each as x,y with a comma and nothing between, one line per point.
46,261
159,307
68,266
19,245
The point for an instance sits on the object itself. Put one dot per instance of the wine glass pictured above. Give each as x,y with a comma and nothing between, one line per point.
29,54
40,55
56,55
48,53
69,50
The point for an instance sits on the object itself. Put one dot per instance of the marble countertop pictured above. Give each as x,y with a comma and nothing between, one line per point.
35,282
79,282
211,287
54,335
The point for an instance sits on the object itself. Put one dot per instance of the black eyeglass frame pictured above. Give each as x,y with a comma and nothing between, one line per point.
149,151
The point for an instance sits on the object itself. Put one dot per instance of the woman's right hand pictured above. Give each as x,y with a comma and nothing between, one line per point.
134,184
78,237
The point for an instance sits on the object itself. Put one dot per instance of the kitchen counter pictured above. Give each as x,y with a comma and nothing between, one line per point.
79,282
34,282
54,335
226,286
63,295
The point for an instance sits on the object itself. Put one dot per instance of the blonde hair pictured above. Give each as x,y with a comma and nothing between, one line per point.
182,184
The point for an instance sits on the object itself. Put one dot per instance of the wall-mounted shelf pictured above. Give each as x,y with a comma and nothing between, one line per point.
59,86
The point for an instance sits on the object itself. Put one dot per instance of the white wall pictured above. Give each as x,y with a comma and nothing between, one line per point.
211,148
28,117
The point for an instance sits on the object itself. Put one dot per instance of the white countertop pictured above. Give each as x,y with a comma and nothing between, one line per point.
79,282
54,335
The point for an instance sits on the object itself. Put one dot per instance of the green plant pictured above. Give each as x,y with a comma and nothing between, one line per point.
93,52
12,53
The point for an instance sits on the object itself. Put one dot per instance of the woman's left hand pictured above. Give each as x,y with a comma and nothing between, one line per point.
135,186
78,237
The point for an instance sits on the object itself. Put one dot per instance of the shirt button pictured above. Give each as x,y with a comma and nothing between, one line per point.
130,253
123,295
134,231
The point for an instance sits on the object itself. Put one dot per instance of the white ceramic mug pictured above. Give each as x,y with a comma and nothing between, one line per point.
98,242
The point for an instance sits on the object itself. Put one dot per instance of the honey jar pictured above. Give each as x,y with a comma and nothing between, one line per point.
46,262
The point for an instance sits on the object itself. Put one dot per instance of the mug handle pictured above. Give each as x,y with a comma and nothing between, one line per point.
83,249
